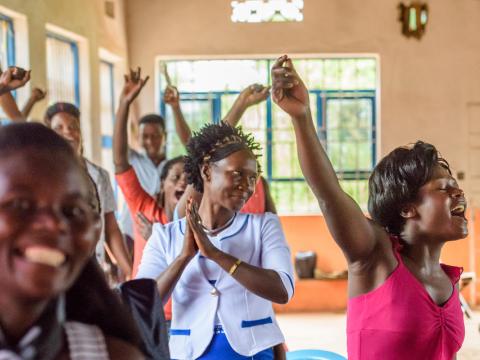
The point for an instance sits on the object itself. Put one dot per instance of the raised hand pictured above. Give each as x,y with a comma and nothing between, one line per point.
254,94
133,85
201,239
171,96
144,225
289,91
38,94
13,78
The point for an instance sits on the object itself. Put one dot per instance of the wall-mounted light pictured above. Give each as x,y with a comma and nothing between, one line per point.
414,18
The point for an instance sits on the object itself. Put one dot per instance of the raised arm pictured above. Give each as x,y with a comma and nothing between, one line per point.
252,95
172,98
114,239
11,79
10,108
36,96
354,233
133,85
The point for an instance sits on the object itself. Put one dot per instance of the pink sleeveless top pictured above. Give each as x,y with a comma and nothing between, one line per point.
399,320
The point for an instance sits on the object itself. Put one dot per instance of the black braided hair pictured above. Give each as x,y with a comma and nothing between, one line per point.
206,145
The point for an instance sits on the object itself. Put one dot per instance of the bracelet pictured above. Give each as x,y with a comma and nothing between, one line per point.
235,266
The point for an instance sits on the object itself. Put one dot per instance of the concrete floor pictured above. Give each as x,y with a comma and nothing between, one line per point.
326,331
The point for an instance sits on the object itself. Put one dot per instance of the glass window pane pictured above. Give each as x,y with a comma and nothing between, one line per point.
349,134
293,197
61,70
252,121
196,113
358,190
217,75
347,118
311,72
107,100
107,114
7,51
366,77
4,47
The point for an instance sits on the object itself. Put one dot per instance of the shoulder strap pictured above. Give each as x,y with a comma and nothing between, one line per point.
453,272
85,342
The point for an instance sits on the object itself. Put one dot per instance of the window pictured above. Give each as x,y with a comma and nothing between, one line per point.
107,117
63,69
7,42
7,50
107,111
343,101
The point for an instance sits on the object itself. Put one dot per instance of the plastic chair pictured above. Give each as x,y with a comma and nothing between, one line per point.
314,355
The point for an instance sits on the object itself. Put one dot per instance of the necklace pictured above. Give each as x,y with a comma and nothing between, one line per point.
219,229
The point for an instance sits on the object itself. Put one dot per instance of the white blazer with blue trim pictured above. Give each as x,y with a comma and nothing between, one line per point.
247,319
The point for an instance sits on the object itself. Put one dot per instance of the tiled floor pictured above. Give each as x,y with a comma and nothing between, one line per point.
326,331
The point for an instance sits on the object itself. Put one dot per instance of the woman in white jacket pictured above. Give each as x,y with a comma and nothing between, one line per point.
224,269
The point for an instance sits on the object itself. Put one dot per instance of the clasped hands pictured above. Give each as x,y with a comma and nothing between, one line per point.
195,237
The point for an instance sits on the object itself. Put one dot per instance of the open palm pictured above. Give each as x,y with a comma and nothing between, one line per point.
133,85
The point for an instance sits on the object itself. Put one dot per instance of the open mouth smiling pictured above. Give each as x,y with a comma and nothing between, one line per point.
42,255
178,194
459,211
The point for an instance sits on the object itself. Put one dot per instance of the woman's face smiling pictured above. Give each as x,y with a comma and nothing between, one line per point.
47,229
440,208
231,181
68,127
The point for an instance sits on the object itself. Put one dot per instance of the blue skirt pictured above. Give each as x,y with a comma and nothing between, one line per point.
220,349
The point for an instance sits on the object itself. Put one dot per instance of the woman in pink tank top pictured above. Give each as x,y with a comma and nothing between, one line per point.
403,304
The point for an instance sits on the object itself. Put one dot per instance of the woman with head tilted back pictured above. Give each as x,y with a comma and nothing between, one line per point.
223,268
403,304
47,234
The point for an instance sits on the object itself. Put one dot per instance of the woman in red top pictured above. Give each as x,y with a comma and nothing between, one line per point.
403,304
147,208
139,201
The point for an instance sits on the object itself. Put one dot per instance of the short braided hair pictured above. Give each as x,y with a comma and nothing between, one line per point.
212,143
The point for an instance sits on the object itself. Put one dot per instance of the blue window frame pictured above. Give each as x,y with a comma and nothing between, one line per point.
107,94
7,41
107,117
63,69
7,50
345,119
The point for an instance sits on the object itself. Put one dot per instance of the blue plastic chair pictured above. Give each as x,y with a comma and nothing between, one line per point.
314,355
